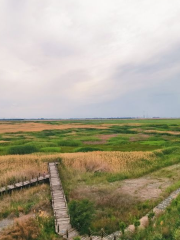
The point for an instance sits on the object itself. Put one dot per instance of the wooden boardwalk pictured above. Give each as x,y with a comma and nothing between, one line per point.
27,183
59,204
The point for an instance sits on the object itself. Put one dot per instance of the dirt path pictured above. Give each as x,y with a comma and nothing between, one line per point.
144,188
152,185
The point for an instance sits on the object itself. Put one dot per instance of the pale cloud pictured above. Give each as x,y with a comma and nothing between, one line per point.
82,58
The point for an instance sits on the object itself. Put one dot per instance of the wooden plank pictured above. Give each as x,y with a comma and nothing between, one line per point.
59,203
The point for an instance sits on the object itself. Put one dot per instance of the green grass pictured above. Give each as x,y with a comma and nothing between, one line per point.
21,149
165,227
50,149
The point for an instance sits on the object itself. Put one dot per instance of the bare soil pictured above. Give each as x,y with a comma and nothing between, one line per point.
145,188
104,138
139,137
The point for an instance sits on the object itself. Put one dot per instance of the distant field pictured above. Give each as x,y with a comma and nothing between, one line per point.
76,136
95,157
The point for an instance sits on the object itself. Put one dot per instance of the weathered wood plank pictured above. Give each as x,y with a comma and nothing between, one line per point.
16,186
59,204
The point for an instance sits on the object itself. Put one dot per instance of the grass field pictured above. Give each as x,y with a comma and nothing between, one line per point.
95,158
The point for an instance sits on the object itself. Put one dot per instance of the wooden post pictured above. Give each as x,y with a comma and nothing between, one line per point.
44,177
102,233
89,232
67,234
114,237
58,228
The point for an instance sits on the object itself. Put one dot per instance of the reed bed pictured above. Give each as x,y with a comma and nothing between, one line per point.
14,168
104,161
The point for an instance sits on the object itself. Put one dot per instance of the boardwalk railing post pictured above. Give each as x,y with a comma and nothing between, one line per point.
67,234
58,228
114,237
102,233
89,232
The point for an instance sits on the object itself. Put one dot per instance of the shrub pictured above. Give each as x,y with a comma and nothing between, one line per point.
87,149
22,149
82,213
50,149
136,224
69,143
122,227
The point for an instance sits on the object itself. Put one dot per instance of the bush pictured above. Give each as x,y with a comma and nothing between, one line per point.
81,213
87,149
51,149
69,143
22,149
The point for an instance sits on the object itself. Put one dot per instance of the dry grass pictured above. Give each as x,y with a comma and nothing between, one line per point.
104,161
37,127
157,131
21,230
14,167
19,199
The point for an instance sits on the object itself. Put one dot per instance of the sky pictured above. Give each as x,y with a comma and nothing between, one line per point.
92,58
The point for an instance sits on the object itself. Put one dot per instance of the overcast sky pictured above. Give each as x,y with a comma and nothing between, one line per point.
89,58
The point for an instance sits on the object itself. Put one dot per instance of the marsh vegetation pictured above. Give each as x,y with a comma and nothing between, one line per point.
96,161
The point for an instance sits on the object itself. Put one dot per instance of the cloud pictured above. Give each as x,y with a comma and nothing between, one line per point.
59,59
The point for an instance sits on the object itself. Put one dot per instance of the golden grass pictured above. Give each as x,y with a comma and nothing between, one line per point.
37,127
157,131
14,167
104,161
